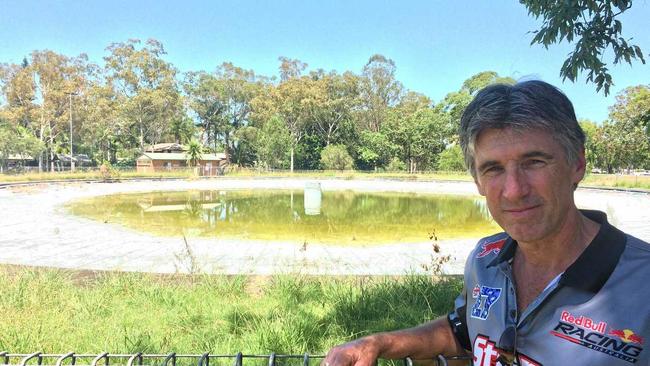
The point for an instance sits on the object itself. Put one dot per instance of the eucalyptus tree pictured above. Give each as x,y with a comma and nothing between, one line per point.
222,102
330,102
417,130
379,90
288,101
454,103
38,94
146,87
101,131
290,68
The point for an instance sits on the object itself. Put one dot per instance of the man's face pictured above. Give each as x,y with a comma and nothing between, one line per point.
526,180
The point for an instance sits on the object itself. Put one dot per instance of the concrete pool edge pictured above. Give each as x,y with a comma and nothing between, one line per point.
61,240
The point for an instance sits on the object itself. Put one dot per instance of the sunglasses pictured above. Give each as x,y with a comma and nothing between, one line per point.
508,346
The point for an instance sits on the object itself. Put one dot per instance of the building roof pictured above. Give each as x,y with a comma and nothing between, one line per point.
166,146
78,158
180,156
20,157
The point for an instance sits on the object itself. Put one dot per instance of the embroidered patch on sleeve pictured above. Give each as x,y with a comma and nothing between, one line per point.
486,298
493,247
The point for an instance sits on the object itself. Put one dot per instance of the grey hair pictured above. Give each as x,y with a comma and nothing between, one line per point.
528,105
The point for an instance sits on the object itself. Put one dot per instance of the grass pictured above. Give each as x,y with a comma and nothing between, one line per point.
617,181
57,311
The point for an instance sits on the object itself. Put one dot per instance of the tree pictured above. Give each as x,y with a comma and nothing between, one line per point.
147,87
379,90
287,101
633,106
419,131
454,103
375,149
335,157
102,128
273,144
330,102
54,78
451,159
182,129
194,153
595,27
591,149
17,140
222,101
290,68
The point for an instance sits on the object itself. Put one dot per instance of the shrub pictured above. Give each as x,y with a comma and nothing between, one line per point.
451,159
335,157
396,165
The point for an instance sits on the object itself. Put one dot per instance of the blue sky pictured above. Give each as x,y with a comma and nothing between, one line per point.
436,45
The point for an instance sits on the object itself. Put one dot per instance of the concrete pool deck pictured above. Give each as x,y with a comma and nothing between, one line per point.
35,230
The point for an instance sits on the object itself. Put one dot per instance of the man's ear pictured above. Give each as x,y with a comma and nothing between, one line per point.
580,167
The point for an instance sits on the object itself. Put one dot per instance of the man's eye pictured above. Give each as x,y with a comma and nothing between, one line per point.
493,170
535,163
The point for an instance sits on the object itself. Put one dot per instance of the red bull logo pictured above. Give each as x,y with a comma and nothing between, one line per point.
493,247
584,322
627,335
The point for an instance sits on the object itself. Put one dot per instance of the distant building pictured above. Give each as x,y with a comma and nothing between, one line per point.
210,164
80,160
166,147
17,162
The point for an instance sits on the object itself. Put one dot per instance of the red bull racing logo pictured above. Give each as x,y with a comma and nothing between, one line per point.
627,335
623,344
493,247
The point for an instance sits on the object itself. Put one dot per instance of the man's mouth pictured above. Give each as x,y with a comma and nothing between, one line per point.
520,210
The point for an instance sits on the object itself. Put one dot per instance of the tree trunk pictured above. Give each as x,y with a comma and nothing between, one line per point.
141,136
52,159
226,148
291,159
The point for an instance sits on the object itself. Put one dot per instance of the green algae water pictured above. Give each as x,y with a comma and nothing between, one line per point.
339,217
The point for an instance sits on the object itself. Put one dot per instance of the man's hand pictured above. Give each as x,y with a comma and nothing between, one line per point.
360,352
420,343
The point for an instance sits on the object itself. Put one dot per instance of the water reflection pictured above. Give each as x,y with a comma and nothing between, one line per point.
329,217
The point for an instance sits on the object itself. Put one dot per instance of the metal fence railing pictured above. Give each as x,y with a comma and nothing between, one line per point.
172,359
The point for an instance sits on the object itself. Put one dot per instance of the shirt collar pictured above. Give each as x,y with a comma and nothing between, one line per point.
596,263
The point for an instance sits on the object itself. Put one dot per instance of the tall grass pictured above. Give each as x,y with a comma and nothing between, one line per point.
617,181
56,311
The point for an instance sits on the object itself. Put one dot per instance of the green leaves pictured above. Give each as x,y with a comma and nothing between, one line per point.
593,25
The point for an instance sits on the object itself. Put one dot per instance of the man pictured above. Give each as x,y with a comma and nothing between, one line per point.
560,286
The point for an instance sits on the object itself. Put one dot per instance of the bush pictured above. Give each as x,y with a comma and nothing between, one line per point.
451,159
335,157
396,165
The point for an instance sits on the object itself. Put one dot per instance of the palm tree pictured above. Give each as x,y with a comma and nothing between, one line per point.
194,153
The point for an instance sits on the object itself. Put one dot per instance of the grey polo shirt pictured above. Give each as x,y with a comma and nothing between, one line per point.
596,313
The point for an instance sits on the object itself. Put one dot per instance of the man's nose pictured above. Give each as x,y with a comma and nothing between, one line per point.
516,184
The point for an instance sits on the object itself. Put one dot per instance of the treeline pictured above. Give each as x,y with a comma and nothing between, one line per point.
302,119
